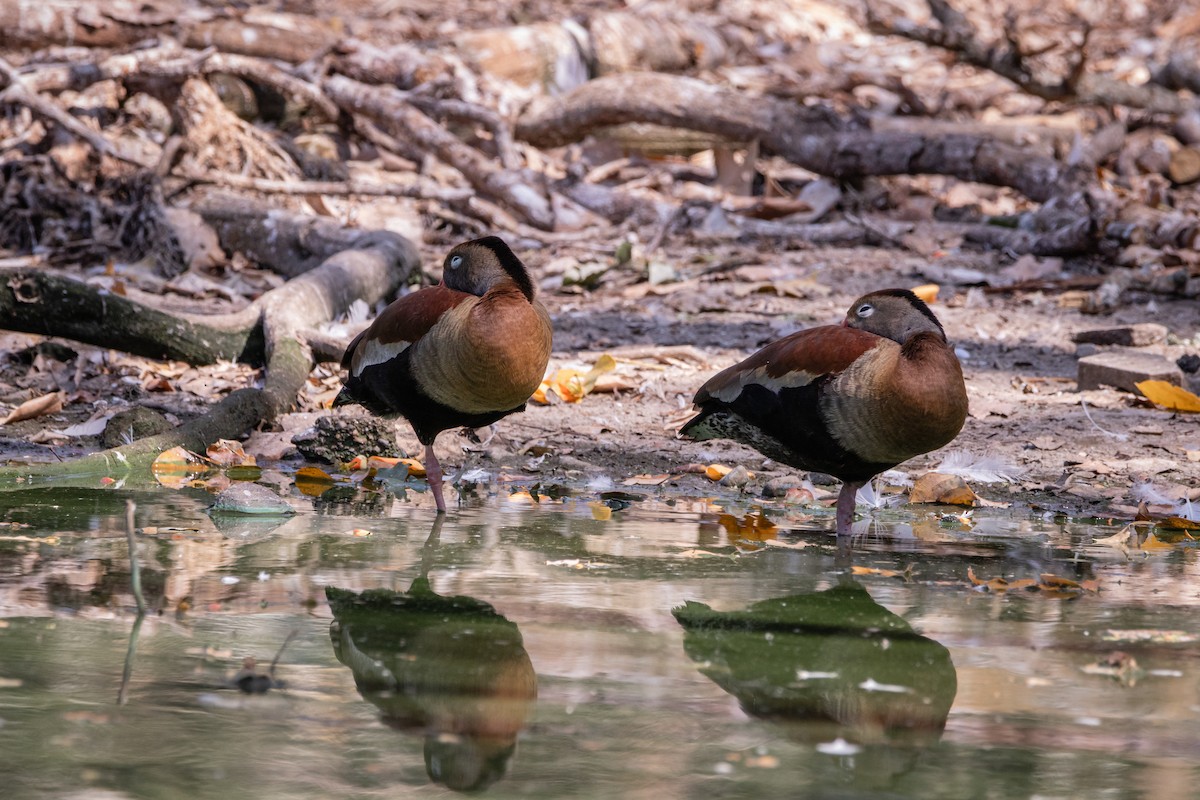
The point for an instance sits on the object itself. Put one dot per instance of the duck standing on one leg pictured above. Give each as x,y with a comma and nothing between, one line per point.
464,353
850,400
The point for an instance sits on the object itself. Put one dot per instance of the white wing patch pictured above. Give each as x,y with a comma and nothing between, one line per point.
788,380
374,352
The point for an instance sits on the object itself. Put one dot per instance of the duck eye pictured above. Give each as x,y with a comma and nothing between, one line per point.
865,310
455,262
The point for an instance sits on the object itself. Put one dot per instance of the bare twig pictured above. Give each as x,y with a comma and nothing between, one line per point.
135,573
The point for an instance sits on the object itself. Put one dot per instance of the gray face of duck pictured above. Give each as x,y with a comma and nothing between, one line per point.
895,314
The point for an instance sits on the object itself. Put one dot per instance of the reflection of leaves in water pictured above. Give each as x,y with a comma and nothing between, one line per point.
832,663
450,667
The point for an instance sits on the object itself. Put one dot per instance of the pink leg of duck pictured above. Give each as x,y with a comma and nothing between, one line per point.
847,500
433,473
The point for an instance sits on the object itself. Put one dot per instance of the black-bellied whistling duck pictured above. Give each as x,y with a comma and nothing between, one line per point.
851,400
464,353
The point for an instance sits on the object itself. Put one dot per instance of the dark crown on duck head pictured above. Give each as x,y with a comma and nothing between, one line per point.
505,259
930,322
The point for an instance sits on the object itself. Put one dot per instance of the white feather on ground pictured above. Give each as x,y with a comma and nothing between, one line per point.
981,469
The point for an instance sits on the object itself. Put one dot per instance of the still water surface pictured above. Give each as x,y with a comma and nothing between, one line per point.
533,650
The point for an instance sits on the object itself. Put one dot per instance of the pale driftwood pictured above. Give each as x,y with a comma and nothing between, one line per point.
461,110
266,34
172,62
388,108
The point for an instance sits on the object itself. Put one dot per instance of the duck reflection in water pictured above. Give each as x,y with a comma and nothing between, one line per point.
828,665
450,667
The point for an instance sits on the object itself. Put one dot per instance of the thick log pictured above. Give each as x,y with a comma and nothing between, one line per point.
113,23
33,300
811,138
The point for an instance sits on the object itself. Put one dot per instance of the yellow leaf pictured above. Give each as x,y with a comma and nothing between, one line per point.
927,292
173,467
540,395
572,385
312,481
600,511
717,471
1169,396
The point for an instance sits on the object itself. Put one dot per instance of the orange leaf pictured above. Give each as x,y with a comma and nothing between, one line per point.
883,573
1169,396
228,453
415,468
927,292
1052,581
46,404
717,471
313,482
937,487
173,467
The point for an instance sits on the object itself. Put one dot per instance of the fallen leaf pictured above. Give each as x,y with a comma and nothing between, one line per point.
601,511
1169,396
313,482
927,292
937,487
998,584
575,386
415,468
906,575
646,480
173,468
35,407
717,471
228,453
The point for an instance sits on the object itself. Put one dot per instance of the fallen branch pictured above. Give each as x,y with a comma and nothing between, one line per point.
369,271
389,109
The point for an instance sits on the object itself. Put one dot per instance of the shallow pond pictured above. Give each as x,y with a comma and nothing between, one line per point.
569,648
